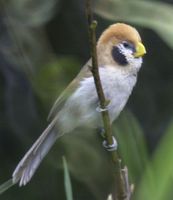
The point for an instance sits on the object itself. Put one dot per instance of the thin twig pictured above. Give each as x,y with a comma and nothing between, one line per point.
121,191
92,24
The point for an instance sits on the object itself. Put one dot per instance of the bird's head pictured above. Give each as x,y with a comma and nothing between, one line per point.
120,46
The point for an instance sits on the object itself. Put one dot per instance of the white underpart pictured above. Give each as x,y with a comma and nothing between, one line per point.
80,109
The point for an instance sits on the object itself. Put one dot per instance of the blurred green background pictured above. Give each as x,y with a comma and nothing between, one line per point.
43,45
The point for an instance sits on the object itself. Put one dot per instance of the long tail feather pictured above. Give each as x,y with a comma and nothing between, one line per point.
32,159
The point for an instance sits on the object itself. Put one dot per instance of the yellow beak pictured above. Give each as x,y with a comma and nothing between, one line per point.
140,50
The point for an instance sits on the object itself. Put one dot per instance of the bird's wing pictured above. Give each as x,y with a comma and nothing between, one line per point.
85,72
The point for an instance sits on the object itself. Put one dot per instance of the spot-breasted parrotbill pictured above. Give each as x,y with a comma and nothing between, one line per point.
120,52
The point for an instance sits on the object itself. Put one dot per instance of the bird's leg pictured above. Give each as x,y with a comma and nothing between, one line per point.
113,146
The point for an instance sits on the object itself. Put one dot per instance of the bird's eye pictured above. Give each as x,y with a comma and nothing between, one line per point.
129,46
126,44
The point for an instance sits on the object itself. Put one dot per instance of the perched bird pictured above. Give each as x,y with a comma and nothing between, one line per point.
120,52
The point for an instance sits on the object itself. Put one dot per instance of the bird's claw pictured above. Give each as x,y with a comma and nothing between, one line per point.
99,109
111,147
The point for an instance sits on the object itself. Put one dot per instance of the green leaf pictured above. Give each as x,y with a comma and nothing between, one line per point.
157,179
155,15
67,181
131,144
5,186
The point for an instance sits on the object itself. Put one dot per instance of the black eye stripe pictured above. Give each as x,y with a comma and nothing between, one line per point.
118,56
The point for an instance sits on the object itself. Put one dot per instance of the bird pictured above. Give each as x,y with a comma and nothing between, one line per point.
120,54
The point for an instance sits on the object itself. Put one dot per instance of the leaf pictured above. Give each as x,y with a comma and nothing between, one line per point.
131,144
155,15
67,181
5,186
157,179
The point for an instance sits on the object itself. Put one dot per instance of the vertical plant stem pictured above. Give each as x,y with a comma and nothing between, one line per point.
120,179
92,24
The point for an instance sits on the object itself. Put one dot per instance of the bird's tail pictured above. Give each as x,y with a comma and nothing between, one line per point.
32,159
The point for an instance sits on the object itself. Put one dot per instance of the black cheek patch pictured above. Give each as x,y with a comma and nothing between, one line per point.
118,56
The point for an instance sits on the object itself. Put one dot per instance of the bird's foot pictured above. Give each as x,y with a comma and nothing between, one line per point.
99,109
108,147
111,147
